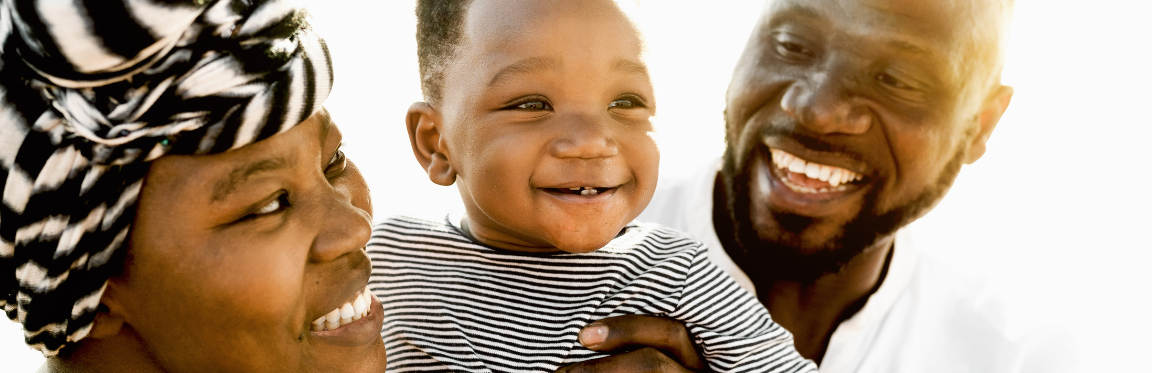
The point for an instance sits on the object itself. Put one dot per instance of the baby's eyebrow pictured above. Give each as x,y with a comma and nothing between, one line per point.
524,66
630,67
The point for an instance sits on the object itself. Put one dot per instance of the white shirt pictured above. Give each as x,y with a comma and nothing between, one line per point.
925,316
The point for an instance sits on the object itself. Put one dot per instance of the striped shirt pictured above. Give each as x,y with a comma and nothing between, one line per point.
453,304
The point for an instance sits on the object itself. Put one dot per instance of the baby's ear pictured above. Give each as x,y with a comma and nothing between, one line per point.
424,126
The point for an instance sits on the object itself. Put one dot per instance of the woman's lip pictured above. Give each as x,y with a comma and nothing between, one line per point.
357,333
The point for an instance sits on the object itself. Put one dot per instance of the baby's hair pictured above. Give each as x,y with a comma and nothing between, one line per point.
438,33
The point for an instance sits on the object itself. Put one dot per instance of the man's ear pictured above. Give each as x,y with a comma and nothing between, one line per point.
110,315
990,113
424,127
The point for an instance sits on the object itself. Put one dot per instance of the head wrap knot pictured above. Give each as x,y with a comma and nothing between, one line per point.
92,91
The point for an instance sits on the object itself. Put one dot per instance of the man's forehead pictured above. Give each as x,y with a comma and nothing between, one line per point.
935,20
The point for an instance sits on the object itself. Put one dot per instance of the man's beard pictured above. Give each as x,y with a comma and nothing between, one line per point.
786,256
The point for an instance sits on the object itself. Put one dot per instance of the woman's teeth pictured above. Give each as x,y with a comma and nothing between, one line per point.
343,315
830,174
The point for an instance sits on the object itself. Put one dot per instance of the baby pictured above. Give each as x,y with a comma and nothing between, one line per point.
539,111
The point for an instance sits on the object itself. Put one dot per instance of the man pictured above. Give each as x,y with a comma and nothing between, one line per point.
846,121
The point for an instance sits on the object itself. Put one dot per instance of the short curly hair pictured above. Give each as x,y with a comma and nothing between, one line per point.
439,32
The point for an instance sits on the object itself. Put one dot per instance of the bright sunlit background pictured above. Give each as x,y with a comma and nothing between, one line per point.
1055,215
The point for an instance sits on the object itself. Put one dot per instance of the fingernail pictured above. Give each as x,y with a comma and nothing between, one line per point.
593,335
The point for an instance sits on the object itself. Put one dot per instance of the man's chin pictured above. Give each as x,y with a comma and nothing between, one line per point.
793,247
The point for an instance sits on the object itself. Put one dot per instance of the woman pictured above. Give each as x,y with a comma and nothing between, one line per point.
174,197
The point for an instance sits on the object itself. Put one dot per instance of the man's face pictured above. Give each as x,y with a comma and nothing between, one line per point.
545,100
234,255
847,119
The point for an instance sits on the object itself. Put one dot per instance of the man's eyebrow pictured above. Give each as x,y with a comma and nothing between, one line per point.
524,66
242,173
630,67
801,9
909,48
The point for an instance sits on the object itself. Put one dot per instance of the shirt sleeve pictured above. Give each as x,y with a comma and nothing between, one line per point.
732,328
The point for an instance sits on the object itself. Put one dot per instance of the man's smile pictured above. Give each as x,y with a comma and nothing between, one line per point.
803,185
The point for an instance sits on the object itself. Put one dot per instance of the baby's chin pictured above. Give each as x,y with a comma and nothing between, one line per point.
587,241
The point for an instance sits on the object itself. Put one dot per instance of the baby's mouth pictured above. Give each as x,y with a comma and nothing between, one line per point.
584,191
347,313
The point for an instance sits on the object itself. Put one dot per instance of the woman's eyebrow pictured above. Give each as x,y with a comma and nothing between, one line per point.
241,174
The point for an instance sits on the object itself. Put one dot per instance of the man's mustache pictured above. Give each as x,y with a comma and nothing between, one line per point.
789,128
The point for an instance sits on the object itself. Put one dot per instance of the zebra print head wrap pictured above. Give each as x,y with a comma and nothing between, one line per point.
90,92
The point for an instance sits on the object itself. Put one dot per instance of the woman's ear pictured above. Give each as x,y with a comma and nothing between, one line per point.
424,127
110,315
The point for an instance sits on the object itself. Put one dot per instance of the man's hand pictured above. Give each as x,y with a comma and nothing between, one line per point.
647,344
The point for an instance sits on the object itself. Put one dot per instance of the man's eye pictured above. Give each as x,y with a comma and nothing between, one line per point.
793,47
790,46
337,164
891,81
534,105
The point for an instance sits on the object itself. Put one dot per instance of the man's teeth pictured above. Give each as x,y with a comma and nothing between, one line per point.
833,175
347,313
587,191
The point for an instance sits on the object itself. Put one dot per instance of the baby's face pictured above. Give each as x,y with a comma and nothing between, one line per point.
546,116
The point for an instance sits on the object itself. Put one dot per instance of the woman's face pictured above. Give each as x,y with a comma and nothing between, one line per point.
234,255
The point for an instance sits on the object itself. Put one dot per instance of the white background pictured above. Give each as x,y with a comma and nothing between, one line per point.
1055,215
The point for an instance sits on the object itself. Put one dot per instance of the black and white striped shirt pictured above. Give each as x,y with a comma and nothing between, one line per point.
452,304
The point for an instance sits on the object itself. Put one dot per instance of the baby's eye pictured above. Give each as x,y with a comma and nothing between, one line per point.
628,102
534,105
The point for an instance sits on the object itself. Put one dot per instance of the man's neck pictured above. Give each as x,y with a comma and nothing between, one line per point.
811,311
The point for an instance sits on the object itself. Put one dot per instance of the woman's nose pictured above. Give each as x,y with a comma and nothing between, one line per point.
344,227
586,137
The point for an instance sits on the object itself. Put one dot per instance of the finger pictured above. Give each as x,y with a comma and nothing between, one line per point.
635,331
645,360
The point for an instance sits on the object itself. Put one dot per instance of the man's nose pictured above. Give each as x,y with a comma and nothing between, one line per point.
344,228
585,136
826,105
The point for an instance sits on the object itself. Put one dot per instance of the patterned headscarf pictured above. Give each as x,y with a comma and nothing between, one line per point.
90,93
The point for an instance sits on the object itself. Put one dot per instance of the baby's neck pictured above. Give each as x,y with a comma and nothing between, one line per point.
505,241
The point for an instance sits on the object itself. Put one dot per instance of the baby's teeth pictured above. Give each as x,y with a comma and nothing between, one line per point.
574,189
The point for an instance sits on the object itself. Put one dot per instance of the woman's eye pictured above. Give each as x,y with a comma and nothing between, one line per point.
534,105
337,164
275,205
